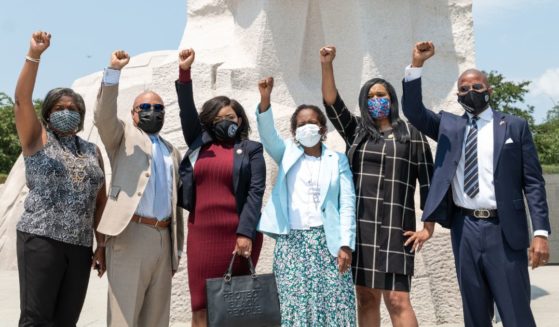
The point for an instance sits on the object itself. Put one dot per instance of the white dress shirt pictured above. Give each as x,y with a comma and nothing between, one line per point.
302,181
485,199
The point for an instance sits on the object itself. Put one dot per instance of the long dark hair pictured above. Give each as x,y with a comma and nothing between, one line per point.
368,124
211,108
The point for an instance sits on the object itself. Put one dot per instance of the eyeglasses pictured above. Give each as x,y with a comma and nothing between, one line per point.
478,87
157,107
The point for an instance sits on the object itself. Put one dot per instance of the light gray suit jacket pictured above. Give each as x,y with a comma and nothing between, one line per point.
129,152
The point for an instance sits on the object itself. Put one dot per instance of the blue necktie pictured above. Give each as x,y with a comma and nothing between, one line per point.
471,179
161,197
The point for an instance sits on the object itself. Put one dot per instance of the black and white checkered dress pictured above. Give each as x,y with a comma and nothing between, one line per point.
385,173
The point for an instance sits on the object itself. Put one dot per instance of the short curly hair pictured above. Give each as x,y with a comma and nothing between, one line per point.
321,116
52,98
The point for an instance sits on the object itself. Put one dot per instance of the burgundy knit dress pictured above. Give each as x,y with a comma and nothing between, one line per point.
212,227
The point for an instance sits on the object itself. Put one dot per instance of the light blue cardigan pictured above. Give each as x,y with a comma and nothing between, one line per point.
337,192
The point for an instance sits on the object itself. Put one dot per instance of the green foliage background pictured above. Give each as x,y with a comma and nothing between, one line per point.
508,97
9,142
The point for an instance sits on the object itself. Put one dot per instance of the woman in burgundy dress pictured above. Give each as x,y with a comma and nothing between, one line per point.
223,179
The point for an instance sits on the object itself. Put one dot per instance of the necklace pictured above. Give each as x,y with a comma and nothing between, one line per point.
74,163
312,184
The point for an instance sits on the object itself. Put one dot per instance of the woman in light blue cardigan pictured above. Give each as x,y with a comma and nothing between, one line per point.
311,214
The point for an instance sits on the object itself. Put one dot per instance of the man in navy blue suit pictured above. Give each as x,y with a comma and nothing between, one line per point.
486,163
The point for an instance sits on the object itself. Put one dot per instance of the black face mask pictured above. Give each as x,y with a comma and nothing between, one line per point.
151,121
474,102
225,130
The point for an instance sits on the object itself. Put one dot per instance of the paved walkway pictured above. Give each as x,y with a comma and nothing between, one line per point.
545,299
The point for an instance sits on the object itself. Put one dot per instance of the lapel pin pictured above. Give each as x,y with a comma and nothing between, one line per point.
239,151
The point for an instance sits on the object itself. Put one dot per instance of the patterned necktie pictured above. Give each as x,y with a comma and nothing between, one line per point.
161,198
471,180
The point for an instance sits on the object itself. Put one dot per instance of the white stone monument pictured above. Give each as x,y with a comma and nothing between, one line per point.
238,42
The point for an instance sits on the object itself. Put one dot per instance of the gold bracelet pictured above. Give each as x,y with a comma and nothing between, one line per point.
33,59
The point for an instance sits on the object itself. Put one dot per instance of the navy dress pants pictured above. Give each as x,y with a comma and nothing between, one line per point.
489,271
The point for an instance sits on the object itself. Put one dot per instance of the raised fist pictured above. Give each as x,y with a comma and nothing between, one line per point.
119,59
186,58
327,54
40,41
265,87
421,52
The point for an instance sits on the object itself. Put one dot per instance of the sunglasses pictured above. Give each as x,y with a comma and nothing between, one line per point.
157,107
478,87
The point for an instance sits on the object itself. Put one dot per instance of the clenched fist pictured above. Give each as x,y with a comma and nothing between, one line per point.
119,59
40,41
265,87
327,54
186,58
421,52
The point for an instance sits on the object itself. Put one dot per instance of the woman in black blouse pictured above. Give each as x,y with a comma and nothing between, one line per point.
387,157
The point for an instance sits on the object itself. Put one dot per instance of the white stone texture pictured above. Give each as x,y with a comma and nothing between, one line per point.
239,42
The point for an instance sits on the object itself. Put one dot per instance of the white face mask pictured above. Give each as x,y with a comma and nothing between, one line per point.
308,135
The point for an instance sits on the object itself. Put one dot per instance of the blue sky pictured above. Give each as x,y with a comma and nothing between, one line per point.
517,38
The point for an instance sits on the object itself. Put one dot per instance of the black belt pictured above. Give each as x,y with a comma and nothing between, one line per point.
479,213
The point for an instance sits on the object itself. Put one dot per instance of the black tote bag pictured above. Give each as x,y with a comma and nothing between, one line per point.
243,301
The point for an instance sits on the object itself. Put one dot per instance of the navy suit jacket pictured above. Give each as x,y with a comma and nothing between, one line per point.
249,168
516,168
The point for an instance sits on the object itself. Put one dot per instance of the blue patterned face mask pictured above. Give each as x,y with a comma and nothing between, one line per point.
65,121
379,107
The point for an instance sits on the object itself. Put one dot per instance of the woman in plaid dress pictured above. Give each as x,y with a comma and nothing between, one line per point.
387,157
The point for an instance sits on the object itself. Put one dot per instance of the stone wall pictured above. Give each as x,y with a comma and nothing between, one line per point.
552,190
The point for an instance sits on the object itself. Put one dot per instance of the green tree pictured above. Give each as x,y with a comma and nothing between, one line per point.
508,97
546,137
9,142
553,113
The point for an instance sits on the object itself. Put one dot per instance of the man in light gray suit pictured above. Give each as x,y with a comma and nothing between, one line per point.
143,223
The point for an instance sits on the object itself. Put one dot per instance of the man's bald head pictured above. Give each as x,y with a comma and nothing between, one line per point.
144,97
147,97
474,91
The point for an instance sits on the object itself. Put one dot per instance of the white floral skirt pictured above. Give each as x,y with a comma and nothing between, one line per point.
311,290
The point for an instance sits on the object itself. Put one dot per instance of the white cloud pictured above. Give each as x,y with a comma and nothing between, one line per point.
547,84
